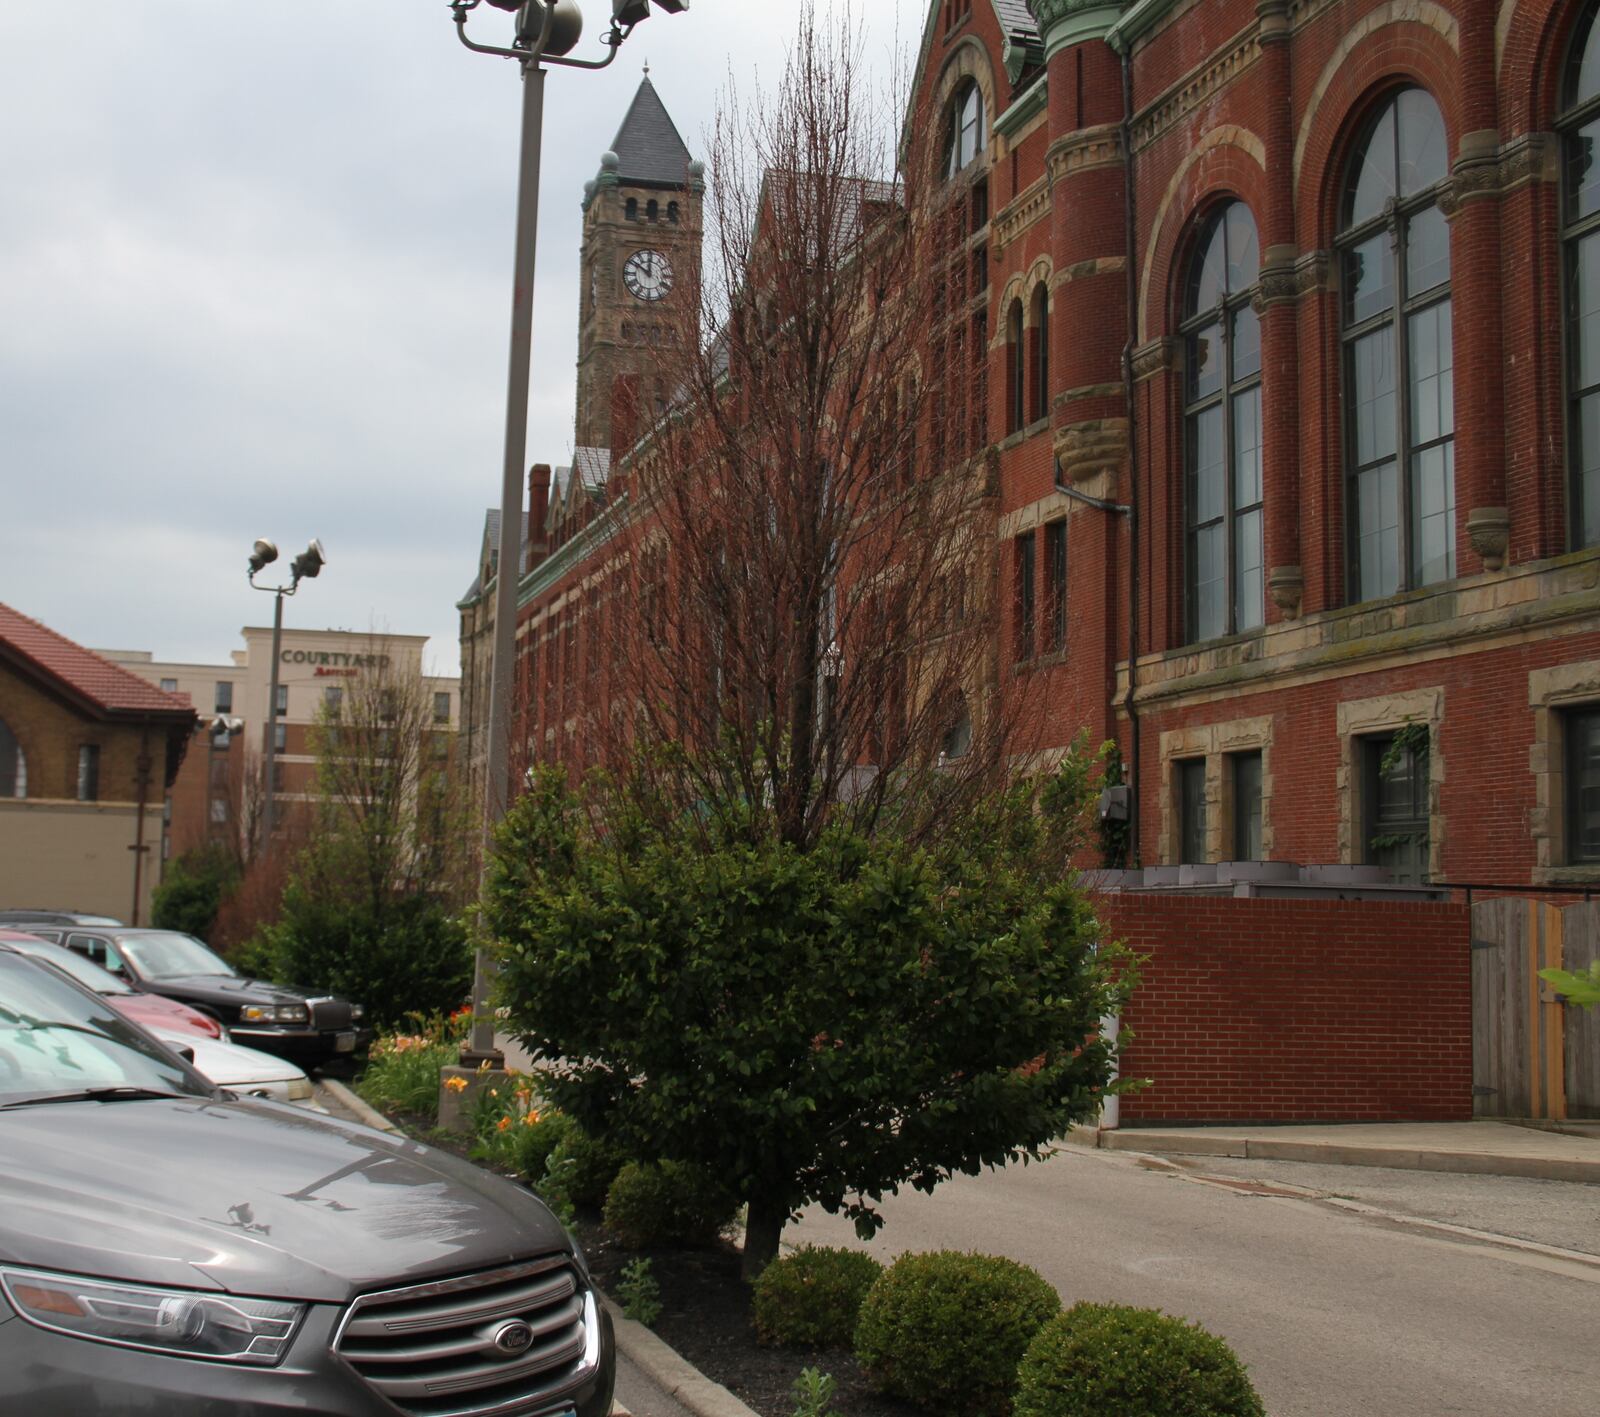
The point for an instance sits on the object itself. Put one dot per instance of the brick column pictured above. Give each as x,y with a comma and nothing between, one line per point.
1280,326
1473,206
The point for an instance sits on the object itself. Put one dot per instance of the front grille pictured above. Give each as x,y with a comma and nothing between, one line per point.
329,1013
430,1349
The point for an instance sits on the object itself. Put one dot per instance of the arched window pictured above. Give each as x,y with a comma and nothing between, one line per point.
13,766
1016,369
652,210
964,140
631,210
1222,425
1580,129
1400,504
672,212
1039,399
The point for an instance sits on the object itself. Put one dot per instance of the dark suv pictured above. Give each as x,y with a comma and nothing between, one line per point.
169,1248
293,1023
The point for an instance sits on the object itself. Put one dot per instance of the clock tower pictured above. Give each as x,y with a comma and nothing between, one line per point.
640,272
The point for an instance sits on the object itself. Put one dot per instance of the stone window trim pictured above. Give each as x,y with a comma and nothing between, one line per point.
1551,694
1385,713
1216,743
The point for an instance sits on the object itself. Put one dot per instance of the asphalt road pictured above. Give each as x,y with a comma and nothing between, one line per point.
1335,1312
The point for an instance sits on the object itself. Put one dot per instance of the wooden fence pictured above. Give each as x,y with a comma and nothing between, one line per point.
1533,1055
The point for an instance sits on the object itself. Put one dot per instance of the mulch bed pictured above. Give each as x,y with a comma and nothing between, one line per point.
705,1316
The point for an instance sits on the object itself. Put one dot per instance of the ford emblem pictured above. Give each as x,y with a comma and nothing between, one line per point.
512,1338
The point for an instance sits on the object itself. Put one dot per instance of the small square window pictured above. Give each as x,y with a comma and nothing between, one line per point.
169,686
1583,786
1190,785
89,772
1246,806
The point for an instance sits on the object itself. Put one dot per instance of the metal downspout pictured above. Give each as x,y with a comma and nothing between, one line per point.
1130,213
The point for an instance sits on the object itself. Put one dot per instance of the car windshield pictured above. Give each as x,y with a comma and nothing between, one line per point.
58,1042
86,972
165,954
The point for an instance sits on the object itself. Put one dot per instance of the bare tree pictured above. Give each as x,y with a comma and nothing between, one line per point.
804,606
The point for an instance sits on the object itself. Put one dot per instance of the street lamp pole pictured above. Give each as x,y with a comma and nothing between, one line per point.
308,565
546,31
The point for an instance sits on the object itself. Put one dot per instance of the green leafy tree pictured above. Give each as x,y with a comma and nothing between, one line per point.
818,1025
1582,989
371,906
193,889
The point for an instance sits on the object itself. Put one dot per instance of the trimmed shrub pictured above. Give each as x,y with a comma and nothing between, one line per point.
592,1165
666,1203
812,1298
532,1147
1100,1358
946,1330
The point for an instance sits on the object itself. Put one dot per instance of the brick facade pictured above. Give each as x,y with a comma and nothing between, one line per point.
1266,103
1296,1011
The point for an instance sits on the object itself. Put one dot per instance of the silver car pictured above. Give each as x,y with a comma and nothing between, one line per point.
167,1250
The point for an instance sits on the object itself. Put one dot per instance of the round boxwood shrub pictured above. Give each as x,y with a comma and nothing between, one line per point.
1100,1358
946,1330
666,1203
594,1164
812,1298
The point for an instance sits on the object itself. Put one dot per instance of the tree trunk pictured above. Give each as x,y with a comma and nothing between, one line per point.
764,1223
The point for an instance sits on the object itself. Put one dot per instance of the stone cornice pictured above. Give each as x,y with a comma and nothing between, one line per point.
1196,87
1029,206
1067,22
1084,150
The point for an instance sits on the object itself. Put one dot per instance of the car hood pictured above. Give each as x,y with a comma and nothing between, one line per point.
156,1011
228,1064
227,990
251,1198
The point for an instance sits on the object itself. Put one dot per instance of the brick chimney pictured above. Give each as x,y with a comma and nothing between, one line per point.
538,507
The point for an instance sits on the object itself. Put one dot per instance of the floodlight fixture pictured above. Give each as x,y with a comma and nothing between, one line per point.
309,563
630,12
262,554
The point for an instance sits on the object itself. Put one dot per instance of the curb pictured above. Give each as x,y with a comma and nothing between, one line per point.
671,1372
1473,1163
367,1114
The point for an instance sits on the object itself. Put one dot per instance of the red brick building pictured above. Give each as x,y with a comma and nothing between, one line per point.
1275,323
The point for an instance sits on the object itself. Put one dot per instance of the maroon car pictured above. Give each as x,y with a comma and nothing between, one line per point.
151,1010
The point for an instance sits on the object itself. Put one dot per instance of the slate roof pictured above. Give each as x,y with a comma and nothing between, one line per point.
593,465
650,152
83,673
1024,43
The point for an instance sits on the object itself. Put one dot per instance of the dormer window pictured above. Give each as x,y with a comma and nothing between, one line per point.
965,138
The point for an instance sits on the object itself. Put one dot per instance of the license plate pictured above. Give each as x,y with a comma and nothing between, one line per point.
345,1043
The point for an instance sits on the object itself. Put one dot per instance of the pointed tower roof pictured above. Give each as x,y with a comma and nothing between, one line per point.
650,152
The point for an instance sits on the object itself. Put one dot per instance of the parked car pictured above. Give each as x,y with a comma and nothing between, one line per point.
275,1018
164,1248
55,917
154,1011
246,1071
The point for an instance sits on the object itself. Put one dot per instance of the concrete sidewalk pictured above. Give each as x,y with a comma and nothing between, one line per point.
1481,1148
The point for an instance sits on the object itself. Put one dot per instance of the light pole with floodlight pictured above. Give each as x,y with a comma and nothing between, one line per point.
306,566
546,33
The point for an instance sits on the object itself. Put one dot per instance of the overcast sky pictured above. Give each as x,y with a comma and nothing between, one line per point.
255,262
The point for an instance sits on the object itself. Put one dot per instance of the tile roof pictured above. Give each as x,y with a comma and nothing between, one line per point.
88,675
648,148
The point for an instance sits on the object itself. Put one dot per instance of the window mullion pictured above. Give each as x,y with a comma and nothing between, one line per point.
1229,569
1402,410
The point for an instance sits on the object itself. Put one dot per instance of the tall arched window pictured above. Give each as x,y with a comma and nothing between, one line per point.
1580,129
1400,503
652,210
964,140
13,766
1039,384
631,210
1016,369
1222,418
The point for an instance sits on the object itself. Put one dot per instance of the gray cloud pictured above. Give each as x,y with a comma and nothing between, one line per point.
254,276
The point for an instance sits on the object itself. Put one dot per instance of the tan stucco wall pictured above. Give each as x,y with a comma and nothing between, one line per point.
75,856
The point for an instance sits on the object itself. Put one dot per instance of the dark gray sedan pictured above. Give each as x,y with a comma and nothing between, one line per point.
168,1249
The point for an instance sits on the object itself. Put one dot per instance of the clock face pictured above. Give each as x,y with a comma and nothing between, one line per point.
647,274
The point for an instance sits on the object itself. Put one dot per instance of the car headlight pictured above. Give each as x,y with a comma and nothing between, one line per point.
269,1013
190,1324
357,1013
